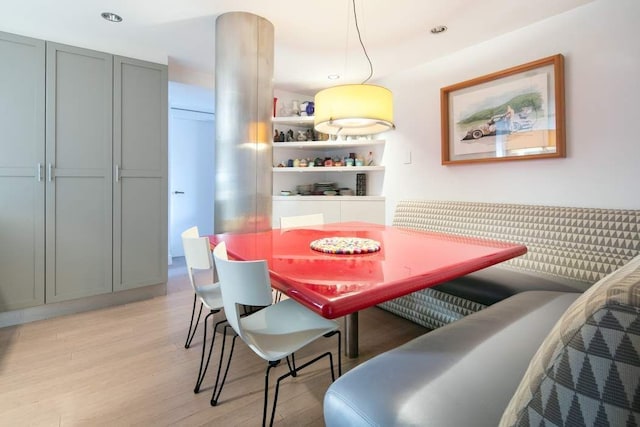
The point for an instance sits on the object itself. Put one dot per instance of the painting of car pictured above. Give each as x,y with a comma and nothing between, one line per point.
500,124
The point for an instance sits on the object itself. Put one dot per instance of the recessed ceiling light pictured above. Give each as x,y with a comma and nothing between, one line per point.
333,76
438,29
111,17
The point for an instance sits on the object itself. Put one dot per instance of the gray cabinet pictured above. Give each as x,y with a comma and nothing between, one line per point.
78,173
83,173
140,168
22,86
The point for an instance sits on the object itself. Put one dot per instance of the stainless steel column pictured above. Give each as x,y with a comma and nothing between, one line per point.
351,335
244,102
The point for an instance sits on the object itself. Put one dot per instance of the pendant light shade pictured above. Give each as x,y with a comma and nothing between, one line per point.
355,109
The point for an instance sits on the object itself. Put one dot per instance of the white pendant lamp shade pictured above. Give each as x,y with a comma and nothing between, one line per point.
356,109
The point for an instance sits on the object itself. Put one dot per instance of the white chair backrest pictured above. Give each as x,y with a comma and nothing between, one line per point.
301,220
197,252
241,283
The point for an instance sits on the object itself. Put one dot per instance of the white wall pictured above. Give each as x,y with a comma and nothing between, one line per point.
602,89
181,74
190,97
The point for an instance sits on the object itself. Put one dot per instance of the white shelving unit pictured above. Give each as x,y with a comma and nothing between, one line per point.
335,208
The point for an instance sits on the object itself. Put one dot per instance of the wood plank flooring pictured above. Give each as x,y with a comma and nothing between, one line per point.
127,365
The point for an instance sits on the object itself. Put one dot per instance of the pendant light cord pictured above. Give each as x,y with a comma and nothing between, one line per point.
355,17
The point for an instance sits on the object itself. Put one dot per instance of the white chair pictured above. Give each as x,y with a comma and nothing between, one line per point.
301,220
198,258
274,332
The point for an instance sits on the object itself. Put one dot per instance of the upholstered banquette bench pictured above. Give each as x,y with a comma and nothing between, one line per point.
542,345
538,358
569,249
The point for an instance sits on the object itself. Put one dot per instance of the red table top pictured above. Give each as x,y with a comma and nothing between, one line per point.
334,285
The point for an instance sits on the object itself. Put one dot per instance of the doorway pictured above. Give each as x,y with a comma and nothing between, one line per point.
192,174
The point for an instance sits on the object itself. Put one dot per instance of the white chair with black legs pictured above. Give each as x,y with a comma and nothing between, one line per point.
199,262
274,332
193,233
301,220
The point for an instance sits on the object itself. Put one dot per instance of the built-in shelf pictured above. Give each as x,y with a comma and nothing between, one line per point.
293,120
328,145
334,208
326,198
332,169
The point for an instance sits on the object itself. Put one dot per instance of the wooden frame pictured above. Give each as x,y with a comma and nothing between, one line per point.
513,114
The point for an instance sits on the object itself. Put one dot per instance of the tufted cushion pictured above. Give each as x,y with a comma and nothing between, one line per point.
587,370
566,246
582,244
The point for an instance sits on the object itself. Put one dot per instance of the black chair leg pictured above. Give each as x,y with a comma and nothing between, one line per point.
266,393
191,332
288,374
292,365
278,297
215,395
202,371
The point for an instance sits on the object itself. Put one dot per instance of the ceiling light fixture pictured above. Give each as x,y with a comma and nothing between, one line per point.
333,76
438,29
354,109
111,17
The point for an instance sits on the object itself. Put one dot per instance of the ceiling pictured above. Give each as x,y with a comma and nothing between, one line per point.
313,38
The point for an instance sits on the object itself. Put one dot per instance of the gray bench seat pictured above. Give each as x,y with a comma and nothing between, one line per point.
536,358
493,284
442,377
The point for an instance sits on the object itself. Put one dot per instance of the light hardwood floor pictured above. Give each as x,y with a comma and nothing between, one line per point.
127,365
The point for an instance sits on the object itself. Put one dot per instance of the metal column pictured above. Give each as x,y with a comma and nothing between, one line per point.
244,102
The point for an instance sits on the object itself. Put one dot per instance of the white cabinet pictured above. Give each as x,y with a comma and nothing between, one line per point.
369,207
334,208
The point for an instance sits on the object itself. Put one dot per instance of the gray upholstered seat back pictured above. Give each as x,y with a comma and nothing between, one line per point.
581,244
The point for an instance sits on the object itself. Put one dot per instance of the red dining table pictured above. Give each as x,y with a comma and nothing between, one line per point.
340,284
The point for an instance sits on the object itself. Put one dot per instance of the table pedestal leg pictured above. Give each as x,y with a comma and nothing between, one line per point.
351,335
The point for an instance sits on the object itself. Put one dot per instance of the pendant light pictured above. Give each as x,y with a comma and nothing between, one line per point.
354,109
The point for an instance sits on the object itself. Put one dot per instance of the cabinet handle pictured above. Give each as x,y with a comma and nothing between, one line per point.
49,172
39,172
117,173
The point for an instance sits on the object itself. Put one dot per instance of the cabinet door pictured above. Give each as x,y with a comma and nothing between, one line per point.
330,209
363,210
140,157
78,160
21,186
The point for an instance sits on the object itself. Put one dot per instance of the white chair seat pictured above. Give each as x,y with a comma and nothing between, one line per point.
210,295
278,330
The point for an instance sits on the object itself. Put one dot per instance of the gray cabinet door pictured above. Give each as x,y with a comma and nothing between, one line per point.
22,80
78,172
140,158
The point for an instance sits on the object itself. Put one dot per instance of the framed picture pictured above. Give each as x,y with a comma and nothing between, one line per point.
514,114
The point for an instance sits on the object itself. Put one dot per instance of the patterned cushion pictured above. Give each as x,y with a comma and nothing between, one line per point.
587,371
431,308
575,243
565,243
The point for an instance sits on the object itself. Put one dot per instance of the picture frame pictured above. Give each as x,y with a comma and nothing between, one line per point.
513,114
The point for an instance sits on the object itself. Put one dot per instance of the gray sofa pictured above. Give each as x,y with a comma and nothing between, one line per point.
553,351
